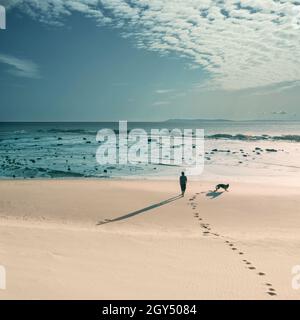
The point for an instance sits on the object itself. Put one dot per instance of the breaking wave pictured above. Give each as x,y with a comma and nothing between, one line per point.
244,137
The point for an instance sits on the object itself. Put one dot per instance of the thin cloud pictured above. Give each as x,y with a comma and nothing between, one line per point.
20,67
164,91
240,44
280,113
161,103
277,88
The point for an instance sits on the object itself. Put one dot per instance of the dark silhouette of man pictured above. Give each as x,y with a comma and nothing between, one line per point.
182,181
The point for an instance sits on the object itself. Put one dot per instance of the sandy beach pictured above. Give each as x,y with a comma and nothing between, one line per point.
114,239
107,107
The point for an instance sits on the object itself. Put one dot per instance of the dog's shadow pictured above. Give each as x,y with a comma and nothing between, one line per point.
214,194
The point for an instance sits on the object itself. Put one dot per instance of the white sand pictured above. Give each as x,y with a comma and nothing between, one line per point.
53,247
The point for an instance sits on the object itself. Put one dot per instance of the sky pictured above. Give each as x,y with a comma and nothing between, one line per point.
149,60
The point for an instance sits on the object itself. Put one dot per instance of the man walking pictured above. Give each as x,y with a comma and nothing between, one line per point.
182,181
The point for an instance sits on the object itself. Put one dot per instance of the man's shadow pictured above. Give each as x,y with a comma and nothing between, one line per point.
214,194
134,213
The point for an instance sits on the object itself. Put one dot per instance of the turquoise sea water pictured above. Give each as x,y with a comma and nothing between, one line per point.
62,150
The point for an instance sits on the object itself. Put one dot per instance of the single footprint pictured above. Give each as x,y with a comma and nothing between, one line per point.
251,268
241,253
269,285
261,274
271,293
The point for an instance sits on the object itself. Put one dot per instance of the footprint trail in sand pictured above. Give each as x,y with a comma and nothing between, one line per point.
208,231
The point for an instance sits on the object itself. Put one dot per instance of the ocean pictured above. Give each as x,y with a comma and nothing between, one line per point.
68,149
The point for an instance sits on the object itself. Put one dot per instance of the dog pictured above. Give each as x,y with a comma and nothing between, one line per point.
222,186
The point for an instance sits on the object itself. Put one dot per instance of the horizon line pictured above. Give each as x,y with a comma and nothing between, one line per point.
146,121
